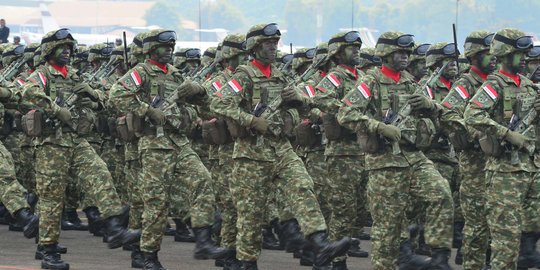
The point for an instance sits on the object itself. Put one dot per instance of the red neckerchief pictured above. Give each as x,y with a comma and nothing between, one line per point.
266,69
514,77
230,68
479,72
390,73
351,69
161,66
446,82
60,69
30,70
323,74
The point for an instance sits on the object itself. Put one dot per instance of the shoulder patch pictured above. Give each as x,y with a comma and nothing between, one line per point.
136,77
309,90
429,92
334,80
462,92
364,90
216,85
235,85
492,93
42,78
20,82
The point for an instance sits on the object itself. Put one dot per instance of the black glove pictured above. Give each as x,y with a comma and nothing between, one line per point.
84,89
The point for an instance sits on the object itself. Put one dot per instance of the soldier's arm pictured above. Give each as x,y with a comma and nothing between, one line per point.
124,94
327,95
353,114
227,101
479,108
34,93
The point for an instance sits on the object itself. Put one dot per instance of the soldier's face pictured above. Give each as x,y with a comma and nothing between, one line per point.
351,55
418,68
398,60
192,65
62,55
163,54
451,70
487,62
515,62
534,66
266,52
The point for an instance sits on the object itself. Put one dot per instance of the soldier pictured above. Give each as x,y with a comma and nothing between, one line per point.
417,62
187,60
166,156
62,154
344,157
80,59
266,156
302,59
368,60
472,191
400,172
511,172
533,64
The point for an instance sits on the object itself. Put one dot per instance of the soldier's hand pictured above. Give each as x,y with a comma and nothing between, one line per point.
85,89
391,132
88,103
260,124
515,138
537,103
290,94
189,89
4,92
64,115
418,102
157,117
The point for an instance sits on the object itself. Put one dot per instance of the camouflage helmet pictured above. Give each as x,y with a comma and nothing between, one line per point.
368,58
158,37
477,41
393,41
218,50
81,54
117,54
38,60
53,39
233,45
509,40
322,51
30,49
257,33
208,56
303,56
463,63
440,51
343,39
99,52
11,53
419,52
185,54
533,54
136,47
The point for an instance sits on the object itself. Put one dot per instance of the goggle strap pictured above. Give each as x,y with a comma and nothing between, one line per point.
233,44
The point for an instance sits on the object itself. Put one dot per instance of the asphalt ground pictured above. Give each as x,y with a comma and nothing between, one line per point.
89,252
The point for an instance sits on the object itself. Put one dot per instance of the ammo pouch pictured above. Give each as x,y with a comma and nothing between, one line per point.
331,126
102,124
305,134
215,132
425,133
490,145
235,129
111,127
135,124
7,124
33,123
85,122
123,130
369,142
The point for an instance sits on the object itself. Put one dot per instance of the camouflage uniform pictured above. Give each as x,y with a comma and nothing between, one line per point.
512,188
396,179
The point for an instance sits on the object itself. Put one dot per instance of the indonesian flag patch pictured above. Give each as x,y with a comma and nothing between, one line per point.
462,92
310,91
136,78
490,91
235,85
364,90
42,78
429,92
216,85
20,82
334,80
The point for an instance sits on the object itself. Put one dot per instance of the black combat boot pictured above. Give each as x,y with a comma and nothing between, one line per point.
363,236
231,262
95,222
528,256
459,257
325,251
168,231
292,236
458,234
14,225
137,257
40,253
407,260
73,218
341,265
3,214
117,235
182,233
355,250
29,221
205,248
31,199
52,260
439,259
269,241
307,256
151,261
250,265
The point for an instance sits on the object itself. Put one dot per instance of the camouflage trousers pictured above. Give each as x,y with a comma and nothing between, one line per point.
512,205
55,166
132,172
221,175
161,169
348,174
27,173
251,184
113,155
317,168
473,202
11,191
389,192
451,173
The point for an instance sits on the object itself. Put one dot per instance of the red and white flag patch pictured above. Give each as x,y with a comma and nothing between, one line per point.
42,78
217,85
334,80
429,92
136,78
20,82
310,91
492,93
364,90
236,87
462,92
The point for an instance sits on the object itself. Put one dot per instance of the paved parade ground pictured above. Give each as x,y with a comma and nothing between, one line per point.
87,252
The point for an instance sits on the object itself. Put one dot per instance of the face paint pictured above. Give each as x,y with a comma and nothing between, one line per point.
398,60
514,62
351,55
418,69
61,55
450,72
266,52
487,62
163,54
